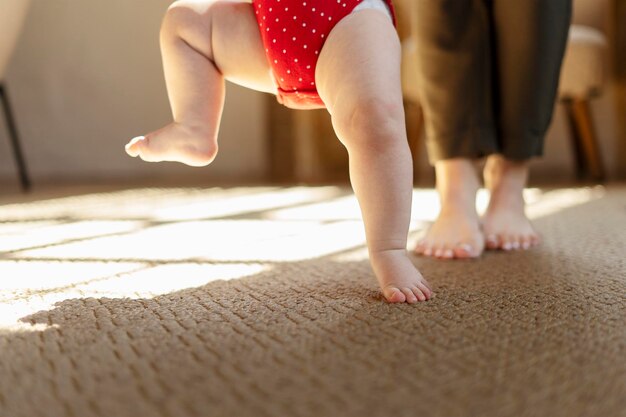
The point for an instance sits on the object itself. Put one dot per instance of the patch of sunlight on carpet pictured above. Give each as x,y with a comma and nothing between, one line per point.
221,240
552,202
166,204
50,233
37,286
214,206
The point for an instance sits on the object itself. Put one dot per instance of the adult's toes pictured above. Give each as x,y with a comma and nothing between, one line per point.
464,251
524,242
429,251
439,251
507,242
492,242
447,254
536,240
394,295
410,297
420,247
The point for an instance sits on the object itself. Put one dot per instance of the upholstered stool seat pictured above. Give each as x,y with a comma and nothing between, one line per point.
583,72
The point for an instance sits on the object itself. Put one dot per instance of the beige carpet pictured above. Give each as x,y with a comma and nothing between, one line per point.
260,302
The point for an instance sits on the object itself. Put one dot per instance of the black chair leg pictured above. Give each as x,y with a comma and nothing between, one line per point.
15,141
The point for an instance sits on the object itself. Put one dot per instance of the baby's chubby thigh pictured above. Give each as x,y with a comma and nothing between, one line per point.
358,77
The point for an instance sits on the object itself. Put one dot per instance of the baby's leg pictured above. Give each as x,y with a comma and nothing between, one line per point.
202,43
358,77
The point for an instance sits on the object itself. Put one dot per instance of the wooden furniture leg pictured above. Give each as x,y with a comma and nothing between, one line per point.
15,140
589,160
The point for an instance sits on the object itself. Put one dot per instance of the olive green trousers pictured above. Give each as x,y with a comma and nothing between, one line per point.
489,72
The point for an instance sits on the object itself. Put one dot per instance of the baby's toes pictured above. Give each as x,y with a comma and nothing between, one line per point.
425,284
411,298
425,289
133,148
394,295
419,294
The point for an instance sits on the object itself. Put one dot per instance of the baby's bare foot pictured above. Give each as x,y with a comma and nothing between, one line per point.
505,224
175,142
399,280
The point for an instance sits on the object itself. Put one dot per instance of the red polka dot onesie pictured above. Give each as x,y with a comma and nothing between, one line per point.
293,33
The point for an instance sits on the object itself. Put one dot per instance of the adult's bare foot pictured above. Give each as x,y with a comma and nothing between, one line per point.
505,224
456,233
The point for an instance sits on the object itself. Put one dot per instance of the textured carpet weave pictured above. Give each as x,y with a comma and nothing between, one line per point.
260,302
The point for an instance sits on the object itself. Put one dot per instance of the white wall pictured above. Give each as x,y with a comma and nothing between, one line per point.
87,76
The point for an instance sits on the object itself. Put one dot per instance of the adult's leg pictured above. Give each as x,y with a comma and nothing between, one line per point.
453,54
203,43
358,78
529,39
456,84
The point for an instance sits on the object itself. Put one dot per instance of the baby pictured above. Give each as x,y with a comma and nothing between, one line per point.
343,55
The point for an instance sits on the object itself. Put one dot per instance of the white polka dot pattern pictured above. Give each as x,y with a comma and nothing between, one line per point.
294,32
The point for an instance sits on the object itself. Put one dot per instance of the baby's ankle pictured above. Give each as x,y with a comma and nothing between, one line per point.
381,257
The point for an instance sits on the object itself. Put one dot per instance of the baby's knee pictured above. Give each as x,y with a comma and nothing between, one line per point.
191,22
188,16
178,14
375,122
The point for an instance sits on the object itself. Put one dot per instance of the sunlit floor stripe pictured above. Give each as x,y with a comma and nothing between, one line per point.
32,287
232,240
48,233
166,205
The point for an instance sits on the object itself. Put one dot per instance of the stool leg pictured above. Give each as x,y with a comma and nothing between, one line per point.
589,160
15,141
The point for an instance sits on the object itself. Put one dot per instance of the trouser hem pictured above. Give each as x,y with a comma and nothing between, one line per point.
472,144
480,142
